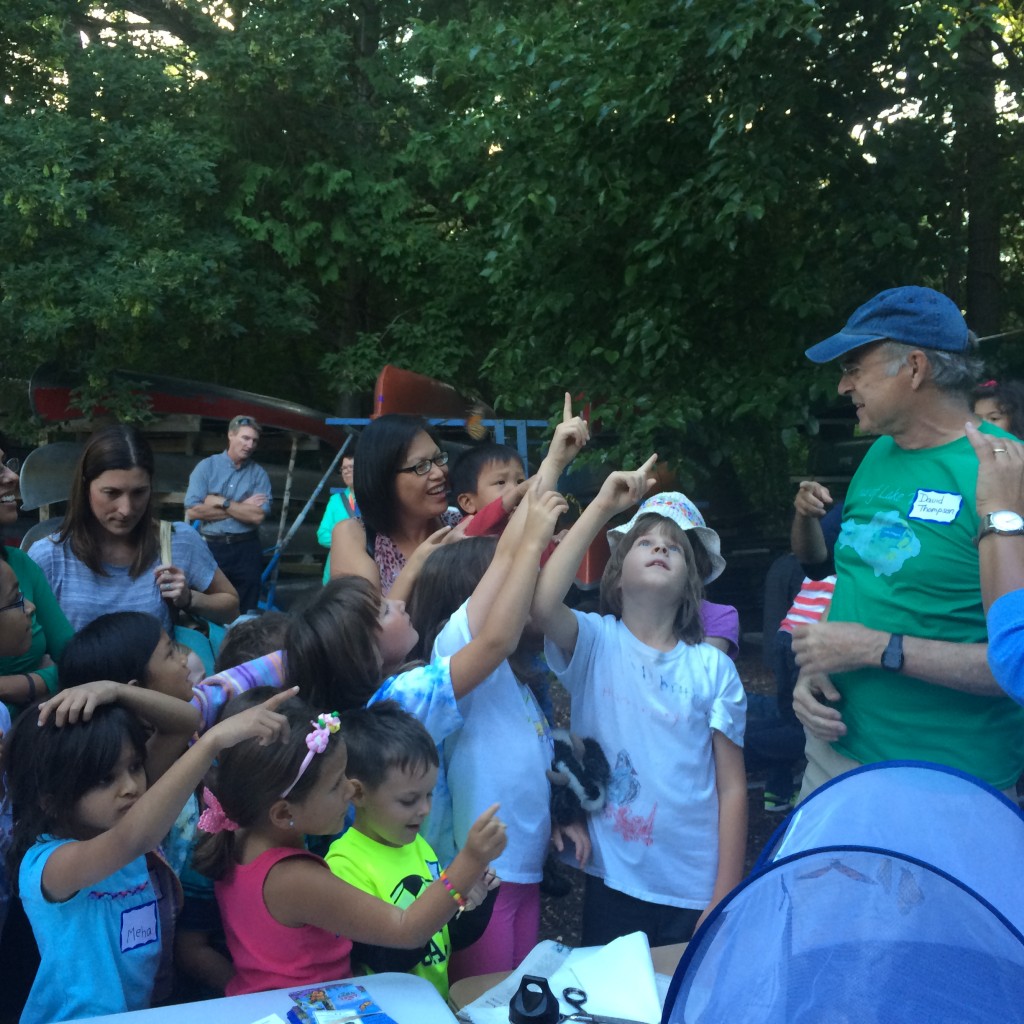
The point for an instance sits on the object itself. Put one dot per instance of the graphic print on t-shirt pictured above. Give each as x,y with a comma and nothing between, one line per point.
623,789
884,544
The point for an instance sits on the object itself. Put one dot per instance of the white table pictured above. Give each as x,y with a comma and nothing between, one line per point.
405,997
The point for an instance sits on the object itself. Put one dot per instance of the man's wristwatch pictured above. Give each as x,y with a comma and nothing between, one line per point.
892,656
1008,523
226,504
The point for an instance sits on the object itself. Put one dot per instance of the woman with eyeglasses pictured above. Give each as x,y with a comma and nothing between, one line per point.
30,673
106,555
401,484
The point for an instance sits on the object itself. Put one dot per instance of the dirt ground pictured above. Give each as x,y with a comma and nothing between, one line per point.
560,918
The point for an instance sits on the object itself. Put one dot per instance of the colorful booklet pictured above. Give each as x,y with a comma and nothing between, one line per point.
340,1003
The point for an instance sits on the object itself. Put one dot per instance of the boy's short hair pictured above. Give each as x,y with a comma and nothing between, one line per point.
385,736
466,470
252,638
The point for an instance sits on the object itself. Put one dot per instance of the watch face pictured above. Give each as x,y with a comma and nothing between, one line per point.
1006,521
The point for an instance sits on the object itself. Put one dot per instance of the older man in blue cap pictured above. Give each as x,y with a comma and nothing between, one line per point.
899,671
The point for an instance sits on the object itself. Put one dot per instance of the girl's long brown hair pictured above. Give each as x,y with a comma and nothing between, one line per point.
688,625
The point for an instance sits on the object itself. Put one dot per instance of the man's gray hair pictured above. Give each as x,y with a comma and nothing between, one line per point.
951,371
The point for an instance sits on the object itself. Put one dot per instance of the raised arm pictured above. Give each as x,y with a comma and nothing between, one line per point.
76,865
618,492
174,721
499,635
805,535
570,437
348,552
1000,488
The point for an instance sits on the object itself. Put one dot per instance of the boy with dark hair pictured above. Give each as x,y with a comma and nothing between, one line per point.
392,763
485,474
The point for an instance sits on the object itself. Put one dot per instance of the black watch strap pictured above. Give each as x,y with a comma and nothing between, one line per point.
892,656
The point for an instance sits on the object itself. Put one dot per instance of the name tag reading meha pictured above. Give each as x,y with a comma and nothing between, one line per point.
936,506
139,926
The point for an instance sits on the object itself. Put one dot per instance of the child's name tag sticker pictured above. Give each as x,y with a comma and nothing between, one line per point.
936,506
139,926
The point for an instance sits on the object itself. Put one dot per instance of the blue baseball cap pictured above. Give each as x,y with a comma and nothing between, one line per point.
912,315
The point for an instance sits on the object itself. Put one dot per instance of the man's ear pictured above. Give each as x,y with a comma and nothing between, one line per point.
468,504
919,367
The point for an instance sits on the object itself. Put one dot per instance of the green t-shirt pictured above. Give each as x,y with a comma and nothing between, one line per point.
396,874
906,563
50,628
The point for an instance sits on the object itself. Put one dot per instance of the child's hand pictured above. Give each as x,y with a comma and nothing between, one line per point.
486,839
625,488
479,890
510,501
77,703
571,436
577,834
262,723
542,513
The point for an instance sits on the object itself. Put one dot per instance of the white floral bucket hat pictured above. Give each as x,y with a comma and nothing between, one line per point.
677,507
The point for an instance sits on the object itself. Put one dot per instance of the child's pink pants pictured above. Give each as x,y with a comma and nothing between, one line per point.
510,935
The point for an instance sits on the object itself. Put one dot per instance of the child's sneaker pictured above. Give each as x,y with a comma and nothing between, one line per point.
774,802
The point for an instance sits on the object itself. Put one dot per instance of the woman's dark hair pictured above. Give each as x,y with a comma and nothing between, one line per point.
249,780
49,769
115,646
252,638
379,455
385,736
689,627
332,650
118,446
1009,396
448,577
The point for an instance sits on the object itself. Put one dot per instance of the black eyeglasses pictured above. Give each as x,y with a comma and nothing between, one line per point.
243,421
422,468
19,604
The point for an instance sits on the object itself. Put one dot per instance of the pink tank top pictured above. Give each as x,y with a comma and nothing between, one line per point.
268,954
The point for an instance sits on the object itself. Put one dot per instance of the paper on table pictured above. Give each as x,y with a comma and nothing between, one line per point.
618,979
492,1007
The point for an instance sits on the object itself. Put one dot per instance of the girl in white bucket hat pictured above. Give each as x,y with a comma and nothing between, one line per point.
668,709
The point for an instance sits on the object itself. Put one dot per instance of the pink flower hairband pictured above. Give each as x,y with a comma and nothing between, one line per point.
316,740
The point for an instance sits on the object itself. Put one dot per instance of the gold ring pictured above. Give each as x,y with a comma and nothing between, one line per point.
998,449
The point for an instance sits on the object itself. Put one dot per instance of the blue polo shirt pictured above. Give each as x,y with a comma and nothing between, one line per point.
219,475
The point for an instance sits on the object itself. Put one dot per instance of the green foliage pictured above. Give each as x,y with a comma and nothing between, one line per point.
657,203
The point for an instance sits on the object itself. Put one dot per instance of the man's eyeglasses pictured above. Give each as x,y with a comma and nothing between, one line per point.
243,421
12,464
19,604
422,468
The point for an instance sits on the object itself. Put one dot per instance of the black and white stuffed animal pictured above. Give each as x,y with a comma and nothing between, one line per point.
579,775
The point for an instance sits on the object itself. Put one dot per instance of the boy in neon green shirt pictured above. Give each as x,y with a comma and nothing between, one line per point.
392,763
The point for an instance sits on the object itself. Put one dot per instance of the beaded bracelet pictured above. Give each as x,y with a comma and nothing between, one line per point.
453,892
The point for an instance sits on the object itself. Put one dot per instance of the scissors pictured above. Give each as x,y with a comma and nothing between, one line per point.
576,998
535,1003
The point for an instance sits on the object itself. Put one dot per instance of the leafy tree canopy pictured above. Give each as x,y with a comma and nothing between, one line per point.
657,204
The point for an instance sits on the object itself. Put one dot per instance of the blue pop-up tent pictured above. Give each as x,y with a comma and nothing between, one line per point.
892,894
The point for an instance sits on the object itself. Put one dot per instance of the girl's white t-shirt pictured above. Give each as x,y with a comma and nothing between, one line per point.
653,713
500,755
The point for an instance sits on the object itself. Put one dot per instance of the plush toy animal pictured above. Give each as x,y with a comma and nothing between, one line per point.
579,775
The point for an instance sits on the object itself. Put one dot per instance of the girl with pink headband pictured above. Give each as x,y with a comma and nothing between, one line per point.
287,919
